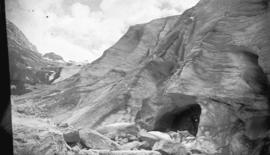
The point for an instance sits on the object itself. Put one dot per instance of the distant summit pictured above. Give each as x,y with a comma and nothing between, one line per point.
53,56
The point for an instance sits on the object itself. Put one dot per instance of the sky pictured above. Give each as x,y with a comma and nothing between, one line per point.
81,30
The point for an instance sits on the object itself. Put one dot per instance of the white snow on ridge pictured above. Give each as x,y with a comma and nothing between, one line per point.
67,72
51,77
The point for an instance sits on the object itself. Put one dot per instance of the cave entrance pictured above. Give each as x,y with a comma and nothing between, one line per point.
184,118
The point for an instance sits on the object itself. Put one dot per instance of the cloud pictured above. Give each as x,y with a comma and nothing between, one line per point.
70,51
80,11
72,28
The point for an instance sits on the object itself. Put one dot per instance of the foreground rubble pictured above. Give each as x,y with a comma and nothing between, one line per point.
41,136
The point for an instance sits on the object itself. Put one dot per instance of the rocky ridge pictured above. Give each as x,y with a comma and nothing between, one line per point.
29,69
26,64
197,83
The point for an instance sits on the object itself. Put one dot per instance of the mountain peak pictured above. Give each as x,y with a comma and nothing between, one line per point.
53,56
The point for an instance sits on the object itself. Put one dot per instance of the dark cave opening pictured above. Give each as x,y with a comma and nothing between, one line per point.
184,118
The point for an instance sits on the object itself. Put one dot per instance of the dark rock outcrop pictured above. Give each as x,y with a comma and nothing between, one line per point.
71,137
205,71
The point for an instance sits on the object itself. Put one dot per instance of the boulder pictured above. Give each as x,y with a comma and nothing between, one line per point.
135,145
121,140
118,129
63,125
148,138
31,137
95,140
151,137
72,136
170,148
161,135
181,136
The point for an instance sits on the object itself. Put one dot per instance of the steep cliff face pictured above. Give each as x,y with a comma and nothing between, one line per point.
205,71
26,64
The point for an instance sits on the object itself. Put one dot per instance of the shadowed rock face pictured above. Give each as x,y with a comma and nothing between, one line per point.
186,118
215,56
26,64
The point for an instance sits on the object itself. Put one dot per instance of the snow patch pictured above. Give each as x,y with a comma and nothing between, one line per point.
51,77
161,135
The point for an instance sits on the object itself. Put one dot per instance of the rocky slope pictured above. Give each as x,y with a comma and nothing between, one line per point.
205,72
26,64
